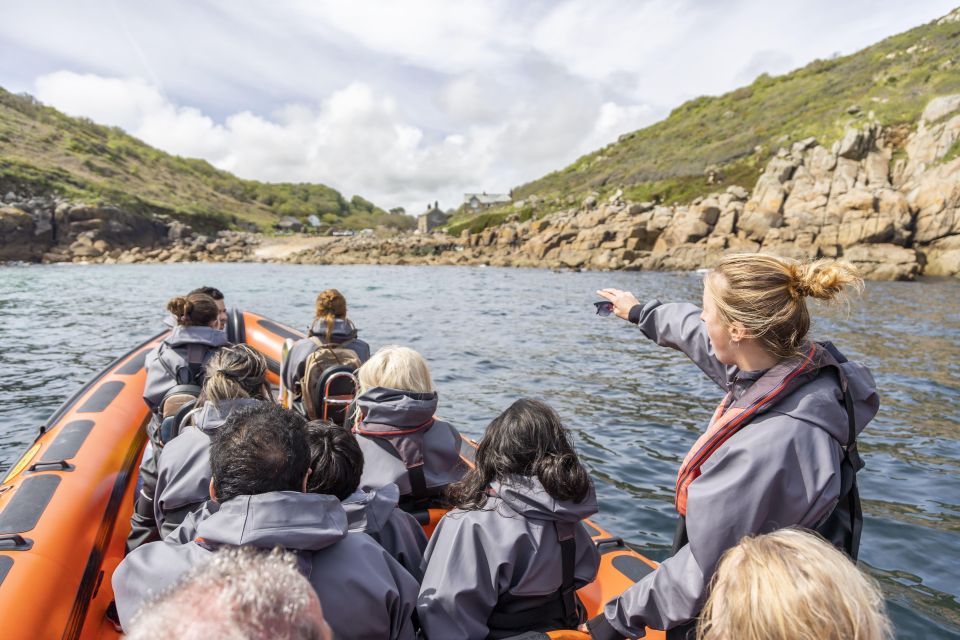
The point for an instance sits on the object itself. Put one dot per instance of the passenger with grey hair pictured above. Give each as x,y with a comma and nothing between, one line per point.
240,593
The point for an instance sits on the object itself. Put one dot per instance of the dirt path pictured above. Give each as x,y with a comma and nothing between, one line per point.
272,247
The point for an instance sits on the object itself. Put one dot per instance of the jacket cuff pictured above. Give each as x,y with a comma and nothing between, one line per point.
600,628
634,315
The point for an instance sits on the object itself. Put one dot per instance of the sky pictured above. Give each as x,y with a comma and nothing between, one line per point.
408,102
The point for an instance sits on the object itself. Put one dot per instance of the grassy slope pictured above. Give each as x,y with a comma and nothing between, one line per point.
45,151
740,130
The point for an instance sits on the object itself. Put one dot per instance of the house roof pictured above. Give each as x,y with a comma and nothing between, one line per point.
487,198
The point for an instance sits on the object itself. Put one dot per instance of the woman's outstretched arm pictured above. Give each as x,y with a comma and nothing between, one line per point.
674,325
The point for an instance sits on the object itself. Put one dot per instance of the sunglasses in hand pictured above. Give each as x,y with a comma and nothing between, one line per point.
604,307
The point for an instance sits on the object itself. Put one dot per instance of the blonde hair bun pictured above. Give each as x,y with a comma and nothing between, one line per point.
825,279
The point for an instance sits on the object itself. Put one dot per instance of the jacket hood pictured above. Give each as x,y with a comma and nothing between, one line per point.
293,520
343,330
820,401
211,415
370,510
398,409
526,496
196,335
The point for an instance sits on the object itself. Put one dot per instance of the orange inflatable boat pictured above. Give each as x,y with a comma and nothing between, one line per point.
65,506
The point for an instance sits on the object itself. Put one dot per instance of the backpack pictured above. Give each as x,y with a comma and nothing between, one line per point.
327,355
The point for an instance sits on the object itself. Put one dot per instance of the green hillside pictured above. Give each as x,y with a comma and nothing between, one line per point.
739,131
43,151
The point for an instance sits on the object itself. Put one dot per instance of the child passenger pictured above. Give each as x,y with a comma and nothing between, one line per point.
402,442
510,556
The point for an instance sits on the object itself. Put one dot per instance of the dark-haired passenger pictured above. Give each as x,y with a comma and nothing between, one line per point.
260,462
336,464
331,327
509,557
402,442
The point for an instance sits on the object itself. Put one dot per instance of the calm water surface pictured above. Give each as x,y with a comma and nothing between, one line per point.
493,335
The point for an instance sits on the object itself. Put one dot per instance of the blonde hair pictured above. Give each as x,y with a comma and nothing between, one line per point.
236,371
330,305
396,367
791,585
766,294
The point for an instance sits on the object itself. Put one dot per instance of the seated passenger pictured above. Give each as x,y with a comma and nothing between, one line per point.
181,357
402,442
240,594
236,377
332,333
510,556
791,584
260,462
336,463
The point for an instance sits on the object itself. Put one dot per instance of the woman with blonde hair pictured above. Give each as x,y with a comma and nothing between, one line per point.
791,585
330,328
236,378
780,449
402,442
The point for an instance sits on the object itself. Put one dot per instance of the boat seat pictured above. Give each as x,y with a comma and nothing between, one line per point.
174,407
339,385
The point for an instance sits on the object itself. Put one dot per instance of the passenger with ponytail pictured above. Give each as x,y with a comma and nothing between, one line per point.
510,555
779,451
330,328
236,377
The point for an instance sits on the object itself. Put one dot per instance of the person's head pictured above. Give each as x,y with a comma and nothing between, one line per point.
330,306
217,296
336,461
395,367
235,371
791,585
528,439
194,310
240,593
259,449
761,300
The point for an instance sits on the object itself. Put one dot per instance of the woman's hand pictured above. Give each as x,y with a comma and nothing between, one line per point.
622,301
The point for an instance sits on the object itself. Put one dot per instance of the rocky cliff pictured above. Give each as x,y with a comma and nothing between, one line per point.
885,199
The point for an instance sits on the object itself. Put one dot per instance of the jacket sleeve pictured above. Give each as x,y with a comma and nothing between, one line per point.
143,526
775,473
459,589
158,380
678,326
403,538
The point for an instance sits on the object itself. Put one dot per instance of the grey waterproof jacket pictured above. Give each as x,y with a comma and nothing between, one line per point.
406,436
375,513
183,465
344,334
164,362
508,549
780,470
365,593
